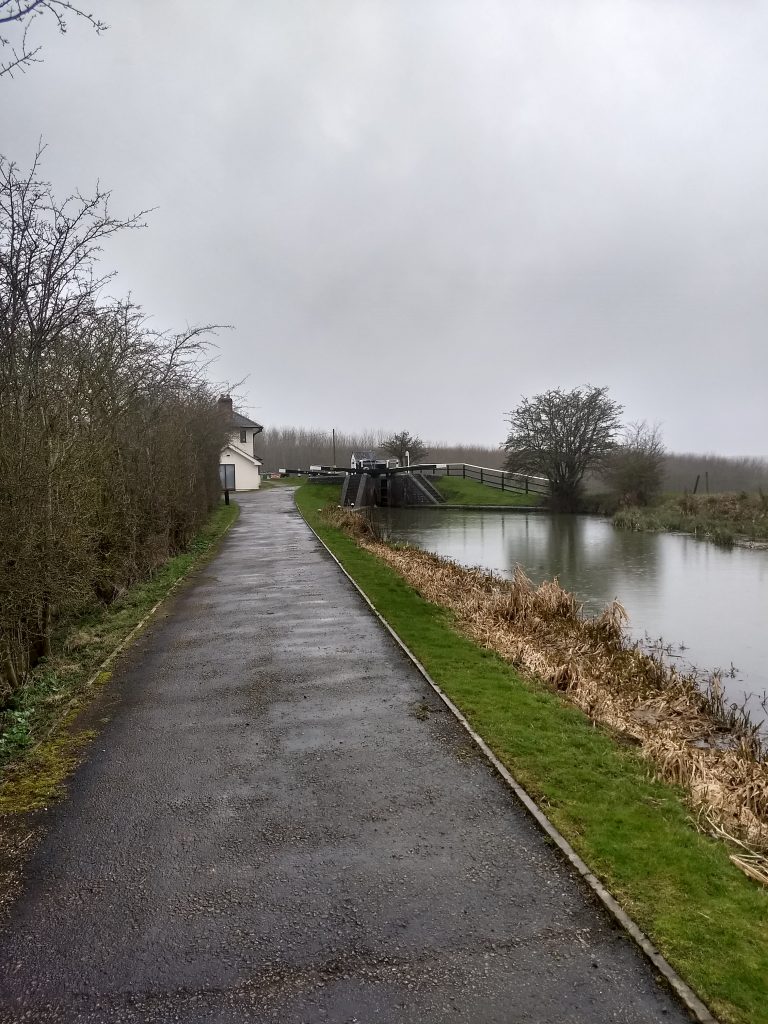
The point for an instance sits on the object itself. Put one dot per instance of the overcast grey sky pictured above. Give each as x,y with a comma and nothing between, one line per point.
415,211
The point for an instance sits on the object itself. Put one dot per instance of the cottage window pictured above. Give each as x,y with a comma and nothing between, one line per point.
243,436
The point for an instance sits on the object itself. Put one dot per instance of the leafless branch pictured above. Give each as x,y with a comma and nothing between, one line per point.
19,15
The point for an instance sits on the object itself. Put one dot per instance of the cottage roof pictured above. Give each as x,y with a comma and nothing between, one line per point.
238,420
253,459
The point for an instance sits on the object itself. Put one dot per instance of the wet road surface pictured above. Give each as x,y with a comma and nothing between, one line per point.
280,823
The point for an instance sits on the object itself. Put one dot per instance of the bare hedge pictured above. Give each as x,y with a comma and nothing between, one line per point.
109,436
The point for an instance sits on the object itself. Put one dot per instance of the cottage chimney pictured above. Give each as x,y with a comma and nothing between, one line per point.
224,405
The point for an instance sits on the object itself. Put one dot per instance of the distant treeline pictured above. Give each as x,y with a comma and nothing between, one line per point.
109,436
299,448
716,471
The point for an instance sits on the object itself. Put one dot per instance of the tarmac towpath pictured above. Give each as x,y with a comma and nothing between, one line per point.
280,823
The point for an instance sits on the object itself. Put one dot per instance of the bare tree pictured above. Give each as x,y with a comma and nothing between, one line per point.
634,470
48,254
397,445
562,434
16,18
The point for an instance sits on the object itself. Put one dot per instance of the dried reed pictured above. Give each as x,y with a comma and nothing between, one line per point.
690,736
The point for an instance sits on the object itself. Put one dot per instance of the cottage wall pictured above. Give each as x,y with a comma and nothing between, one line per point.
244,446
247,475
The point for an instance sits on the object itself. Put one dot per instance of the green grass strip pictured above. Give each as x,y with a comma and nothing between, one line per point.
704,915
38,744
458,491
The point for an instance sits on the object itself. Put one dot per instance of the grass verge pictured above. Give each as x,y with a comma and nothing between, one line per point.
458,491
283,481
39,741
704,915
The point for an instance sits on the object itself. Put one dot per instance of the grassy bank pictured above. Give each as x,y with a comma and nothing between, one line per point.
634,832
283,481
37,746
725,519
458,491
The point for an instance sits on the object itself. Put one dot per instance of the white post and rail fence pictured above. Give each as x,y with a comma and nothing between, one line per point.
501,479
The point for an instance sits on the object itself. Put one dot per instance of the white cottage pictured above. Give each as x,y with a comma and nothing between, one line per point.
363,460
240,467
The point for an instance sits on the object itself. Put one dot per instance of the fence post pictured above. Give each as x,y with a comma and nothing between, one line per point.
502,479
481,474
526,485
464,470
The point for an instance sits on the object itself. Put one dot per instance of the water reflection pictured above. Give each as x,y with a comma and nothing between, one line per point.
595,562
710,603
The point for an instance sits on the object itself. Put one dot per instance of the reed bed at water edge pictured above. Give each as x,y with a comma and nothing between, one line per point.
724,519
689,735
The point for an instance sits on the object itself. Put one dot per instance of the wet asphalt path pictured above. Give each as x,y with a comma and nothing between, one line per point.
274,828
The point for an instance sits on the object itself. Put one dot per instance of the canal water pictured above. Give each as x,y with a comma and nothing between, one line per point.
706,605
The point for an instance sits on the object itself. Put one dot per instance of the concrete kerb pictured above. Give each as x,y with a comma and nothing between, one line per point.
686,994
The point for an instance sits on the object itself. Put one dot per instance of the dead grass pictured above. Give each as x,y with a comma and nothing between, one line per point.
725,519
691,737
